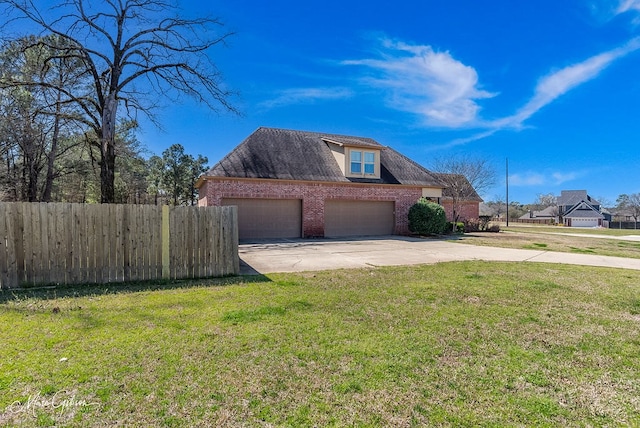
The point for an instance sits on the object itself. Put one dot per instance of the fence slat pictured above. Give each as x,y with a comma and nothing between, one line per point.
57,259
77,247
92,214
18,235
140,266
201,244
5,240
105,247
113,249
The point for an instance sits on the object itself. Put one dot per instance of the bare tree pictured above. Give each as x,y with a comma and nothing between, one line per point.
604,202
130,48
545,200
465,179
480,174
497,206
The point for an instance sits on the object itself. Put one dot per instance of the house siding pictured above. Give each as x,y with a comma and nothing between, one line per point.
313,196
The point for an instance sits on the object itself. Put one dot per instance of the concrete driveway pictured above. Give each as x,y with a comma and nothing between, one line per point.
299,255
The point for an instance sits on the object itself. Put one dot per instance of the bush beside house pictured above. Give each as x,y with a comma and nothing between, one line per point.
427,218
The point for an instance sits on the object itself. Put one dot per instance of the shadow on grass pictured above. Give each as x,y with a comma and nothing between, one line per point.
84,290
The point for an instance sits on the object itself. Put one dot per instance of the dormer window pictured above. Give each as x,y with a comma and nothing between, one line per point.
369,163
363,162
356,162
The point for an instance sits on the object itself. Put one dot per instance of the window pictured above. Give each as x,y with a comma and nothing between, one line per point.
356,162
360,163
369,163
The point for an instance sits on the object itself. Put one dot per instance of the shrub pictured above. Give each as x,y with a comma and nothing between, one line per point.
427,218
456,227
480,225
494,228
484,222
472,225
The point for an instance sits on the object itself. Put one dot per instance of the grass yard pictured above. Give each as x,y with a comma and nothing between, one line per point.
549,239
571,230
454,344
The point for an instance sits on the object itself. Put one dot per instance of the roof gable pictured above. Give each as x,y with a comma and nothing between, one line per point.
583,210
271,153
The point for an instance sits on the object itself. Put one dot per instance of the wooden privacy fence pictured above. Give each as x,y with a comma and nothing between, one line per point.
90,244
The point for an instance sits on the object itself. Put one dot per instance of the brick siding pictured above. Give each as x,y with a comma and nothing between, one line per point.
468,210
313,196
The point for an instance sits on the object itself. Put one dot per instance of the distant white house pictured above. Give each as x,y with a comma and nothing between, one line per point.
574,208
577,209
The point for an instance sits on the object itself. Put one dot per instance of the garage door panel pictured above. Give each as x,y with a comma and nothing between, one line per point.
358,218
267,218
584,222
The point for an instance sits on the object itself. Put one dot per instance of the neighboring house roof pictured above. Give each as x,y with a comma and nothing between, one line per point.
272,153
549,212
451,181
573,197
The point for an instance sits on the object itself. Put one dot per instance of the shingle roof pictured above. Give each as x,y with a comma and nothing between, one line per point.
572,197
584,214
299,155
583,210
548,212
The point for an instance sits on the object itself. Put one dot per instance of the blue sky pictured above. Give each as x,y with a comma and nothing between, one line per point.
554,86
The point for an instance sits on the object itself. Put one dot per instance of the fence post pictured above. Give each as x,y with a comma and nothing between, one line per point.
166,260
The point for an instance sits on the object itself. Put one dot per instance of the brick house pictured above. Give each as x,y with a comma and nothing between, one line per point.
291,184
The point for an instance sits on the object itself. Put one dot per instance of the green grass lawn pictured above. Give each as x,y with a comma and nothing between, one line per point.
559,239
514,227
453,344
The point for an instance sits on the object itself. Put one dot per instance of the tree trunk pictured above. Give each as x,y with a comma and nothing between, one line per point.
107,151
48,186
30,170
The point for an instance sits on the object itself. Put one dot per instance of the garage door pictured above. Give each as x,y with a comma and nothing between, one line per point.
268,218
584,222
353,218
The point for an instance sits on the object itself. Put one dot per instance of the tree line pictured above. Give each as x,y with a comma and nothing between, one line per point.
71,91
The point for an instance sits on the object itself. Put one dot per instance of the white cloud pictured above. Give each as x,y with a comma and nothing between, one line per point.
306,96
627,5
462,141
546,178
526,179
560,82
444,92
561,177
431,84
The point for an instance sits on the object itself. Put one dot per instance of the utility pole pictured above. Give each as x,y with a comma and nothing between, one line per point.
507,181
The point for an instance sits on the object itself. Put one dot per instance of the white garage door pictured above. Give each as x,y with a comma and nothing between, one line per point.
358,218
584,222
268,218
